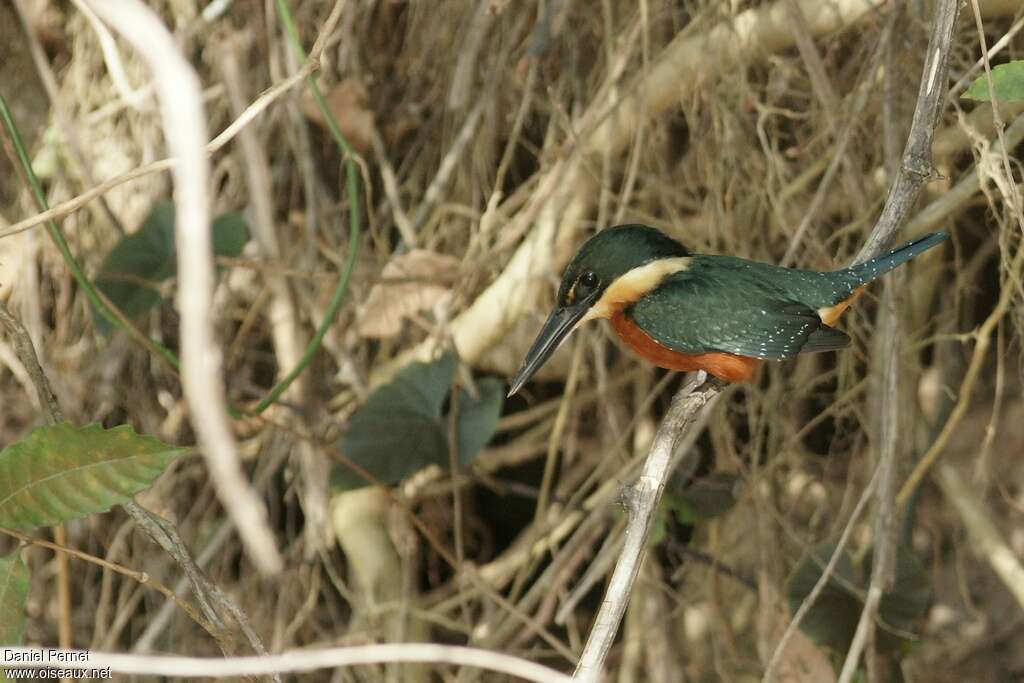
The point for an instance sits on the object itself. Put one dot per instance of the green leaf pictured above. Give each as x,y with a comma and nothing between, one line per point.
391,446
230,234
427,384
133,270
902,607
65,472
659,527
832,619
478,420
13,597
136,265
1007,79
398,430
703,499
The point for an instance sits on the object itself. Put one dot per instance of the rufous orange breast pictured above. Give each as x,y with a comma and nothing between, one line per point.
726,366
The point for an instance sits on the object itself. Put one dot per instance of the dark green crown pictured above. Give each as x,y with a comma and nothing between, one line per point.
614,252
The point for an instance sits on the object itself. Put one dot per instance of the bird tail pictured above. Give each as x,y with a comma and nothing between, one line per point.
863,273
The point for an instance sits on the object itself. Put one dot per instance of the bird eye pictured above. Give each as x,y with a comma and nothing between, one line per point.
588,279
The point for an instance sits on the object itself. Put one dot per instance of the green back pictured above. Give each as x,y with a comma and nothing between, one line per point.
755,309
743,307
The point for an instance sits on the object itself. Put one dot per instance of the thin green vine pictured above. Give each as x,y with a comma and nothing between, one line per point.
111,313
105,307
354,220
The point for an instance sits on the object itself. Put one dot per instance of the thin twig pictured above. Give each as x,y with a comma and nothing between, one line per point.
826,576
181,107
643,501
883,563
843,139
983,339
982,530
355,218
133,97
69,131
268,97
965,188
449,163
141,577
160,530
27,355
64,630
293,661
1013,196
97,298
916,168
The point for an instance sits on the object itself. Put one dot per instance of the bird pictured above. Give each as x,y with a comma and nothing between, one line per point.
684,311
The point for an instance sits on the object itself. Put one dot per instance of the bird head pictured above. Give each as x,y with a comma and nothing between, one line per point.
611,270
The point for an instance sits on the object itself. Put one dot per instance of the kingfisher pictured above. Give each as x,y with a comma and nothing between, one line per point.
685,311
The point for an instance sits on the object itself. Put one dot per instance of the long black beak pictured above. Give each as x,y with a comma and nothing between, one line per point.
556,328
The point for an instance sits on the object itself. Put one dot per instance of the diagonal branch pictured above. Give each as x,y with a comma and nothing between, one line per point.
915,170
643,502
184,121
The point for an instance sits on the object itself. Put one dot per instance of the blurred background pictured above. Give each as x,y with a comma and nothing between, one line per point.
491,138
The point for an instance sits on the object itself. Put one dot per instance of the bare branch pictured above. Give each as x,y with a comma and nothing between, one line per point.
181,107
643,502
160,530
293,661
916,168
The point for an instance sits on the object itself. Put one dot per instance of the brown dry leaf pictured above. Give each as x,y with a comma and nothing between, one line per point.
802,661
390,303
349,103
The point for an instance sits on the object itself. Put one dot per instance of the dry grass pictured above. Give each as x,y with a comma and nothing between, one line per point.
728,159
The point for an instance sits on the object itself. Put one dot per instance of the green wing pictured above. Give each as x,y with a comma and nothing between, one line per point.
732,307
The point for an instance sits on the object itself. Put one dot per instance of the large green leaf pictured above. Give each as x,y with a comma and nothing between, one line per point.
400,429
137,264
702,499
135,267
391,446
230,234
478,419
832,620
13,596
1007,80
65,472
902,607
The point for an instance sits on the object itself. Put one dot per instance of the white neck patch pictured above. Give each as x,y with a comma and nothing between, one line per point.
634,284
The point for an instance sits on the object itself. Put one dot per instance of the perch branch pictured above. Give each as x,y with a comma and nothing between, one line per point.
643,501
916,168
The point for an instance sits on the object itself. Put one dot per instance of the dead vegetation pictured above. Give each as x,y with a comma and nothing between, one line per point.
493,137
